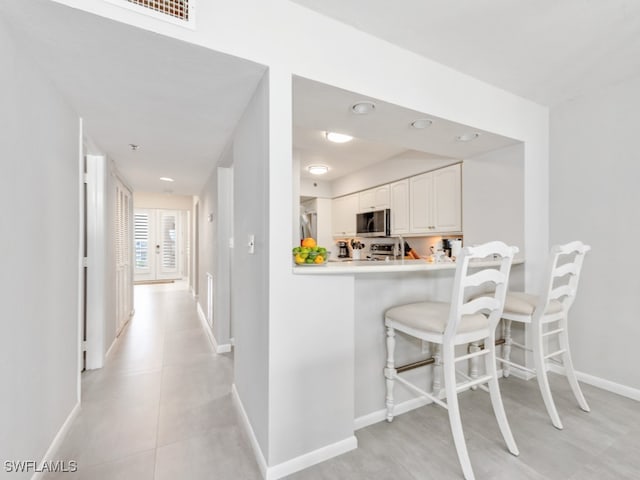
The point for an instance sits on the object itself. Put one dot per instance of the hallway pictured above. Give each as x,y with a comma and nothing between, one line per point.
161,408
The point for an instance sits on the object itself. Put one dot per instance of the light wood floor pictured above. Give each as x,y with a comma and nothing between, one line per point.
162,409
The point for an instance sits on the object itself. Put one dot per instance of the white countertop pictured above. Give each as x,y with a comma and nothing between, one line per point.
367,266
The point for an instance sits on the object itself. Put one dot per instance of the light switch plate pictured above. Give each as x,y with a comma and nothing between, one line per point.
252,244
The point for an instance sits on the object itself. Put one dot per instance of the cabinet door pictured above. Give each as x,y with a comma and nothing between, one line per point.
343,215
420,208
367,199
447,202
374,199
381,197
399,204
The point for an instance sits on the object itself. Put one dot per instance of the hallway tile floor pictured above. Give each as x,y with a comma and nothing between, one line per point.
161,409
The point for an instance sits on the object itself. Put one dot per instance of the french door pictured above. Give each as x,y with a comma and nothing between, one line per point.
157,234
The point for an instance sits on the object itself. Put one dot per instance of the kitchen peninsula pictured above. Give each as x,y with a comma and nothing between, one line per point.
378,286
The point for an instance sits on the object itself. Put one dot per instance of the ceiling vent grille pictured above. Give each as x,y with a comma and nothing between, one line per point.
175,8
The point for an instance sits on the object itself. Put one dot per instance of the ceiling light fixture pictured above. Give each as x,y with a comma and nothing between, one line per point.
467,137
363,108
421,123
338,137
134,147
167,179
317,169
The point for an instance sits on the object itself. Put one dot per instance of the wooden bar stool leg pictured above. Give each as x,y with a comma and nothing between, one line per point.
449,370
437,370
474,362
496,398
563,338
390,371
541,374
506,347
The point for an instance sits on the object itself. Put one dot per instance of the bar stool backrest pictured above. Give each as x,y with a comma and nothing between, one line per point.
491,302
563,274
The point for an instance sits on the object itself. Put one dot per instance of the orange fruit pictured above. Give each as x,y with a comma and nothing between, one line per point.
308,242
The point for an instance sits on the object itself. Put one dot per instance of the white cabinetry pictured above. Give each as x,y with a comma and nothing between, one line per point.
447,199
343,215
374,198
426,204
399,204
435,201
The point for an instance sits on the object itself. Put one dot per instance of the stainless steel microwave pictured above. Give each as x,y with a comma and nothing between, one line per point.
376,223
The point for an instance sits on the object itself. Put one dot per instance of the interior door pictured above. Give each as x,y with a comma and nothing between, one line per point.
167,237
157,238
144,245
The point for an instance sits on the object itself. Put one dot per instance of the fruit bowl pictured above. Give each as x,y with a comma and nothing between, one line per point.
310,257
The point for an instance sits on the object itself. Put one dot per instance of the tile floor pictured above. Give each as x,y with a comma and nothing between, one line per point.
162,409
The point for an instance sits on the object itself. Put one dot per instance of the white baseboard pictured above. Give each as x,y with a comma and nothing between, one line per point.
311,458
257,451
613,387
57,440
113,344
218,348
381,415
296,464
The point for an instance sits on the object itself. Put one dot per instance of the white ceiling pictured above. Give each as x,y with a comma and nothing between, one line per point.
544,50
179,102
385,133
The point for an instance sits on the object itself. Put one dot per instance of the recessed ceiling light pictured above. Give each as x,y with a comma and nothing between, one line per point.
134,147
467,137
363,108
166,179
338,137
317,169
421,123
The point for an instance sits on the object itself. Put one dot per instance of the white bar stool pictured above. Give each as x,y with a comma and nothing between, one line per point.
450,324
541,311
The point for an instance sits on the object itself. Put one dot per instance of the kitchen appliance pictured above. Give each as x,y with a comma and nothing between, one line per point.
446,247
343,249
374,224
456,246
382,251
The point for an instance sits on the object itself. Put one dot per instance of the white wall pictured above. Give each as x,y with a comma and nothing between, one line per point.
390,170
215,230
250,302
162,200
493,197
595,198
39,177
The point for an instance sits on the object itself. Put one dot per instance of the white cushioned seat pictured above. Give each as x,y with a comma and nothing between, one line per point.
433,317
524,304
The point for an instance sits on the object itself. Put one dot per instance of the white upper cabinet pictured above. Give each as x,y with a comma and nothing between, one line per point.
447,199
399,204
436,201
374,199
343,215
420,205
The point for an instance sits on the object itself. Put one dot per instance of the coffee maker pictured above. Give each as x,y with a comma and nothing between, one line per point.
343,249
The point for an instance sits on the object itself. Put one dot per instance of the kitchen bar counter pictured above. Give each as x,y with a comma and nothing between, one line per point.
367,266
377,286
